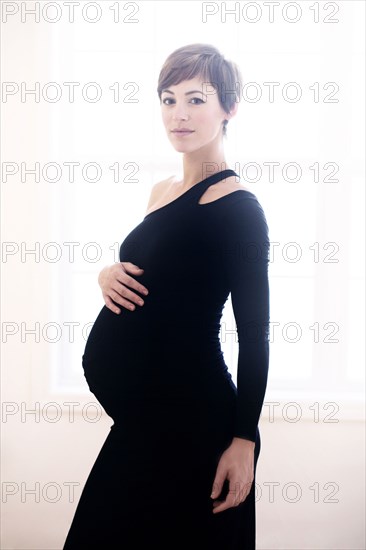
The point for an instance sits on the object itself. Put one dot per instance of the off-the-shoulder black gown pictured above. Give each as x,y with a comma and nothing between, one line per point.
160,374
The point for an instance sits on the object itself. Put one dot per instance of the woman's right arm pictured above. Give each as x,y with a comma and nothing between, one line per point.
114,279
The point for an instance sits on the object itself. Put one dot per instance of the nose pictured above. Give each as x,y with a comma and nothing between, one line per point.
179,112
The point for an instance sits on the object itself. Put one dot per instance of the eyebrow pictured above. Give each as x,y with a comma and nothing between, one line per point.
187,93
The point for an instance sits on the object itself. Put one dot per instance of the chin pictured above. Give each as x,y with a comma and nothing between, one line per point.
186,147
180,147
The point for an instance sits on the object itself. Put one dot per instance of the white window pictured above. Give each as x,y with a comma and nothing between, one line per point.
316,223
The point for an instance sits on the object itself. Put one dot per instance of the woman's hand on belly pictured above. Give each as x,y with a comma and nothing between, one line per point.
114,282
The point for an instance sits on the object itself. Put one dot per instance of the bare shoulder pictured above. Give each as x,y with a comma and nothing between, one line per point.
162,184
222,188
230,184
158,190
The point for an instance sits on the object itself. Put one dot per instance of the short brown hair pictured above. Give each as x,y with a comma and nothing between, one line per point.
207,62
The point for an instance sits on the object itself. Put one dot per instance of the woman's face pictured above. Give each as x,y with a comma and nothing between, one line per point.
192,105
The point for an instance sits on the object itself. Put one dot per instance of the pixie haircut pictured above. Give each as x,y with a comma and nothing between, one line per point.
204,61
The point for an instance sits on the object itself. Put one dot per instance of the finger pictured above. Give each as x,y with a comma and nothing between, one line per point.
110,305
115,298
229,502
218,483
120,300
126,295
128,281
233,498
131,267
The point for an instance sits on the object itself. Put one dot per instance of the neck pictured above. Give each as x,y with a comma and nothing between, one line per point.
202,163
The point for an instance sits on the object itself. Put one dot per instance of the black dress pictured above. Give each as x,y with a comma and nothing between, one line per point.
160,374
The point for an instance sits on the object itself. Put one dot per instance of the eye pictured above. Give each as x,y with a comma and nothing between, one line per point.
197,99
167,100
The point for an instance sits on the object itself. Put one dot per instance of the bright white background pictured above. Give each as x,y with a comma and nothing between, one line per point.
314,205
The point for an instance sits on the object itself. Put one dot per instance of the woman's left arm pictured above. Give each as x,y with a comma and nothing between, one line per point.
246,244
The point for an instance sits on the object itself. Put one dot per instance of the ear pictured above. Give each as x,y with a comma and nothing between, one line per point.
233,111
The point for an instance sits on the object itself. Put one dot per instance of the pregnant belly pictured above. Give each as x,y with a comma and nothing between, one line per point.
118,344
147,357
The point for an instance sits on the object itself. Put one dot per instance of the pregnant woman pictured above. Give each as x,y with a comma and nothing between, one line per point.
177,469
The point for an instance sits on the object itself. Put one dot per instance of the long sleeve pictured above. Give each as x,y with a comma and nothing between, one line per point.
246,258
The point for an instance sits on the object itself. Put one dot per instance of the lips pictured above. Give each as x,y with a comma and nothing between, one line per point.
182,131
